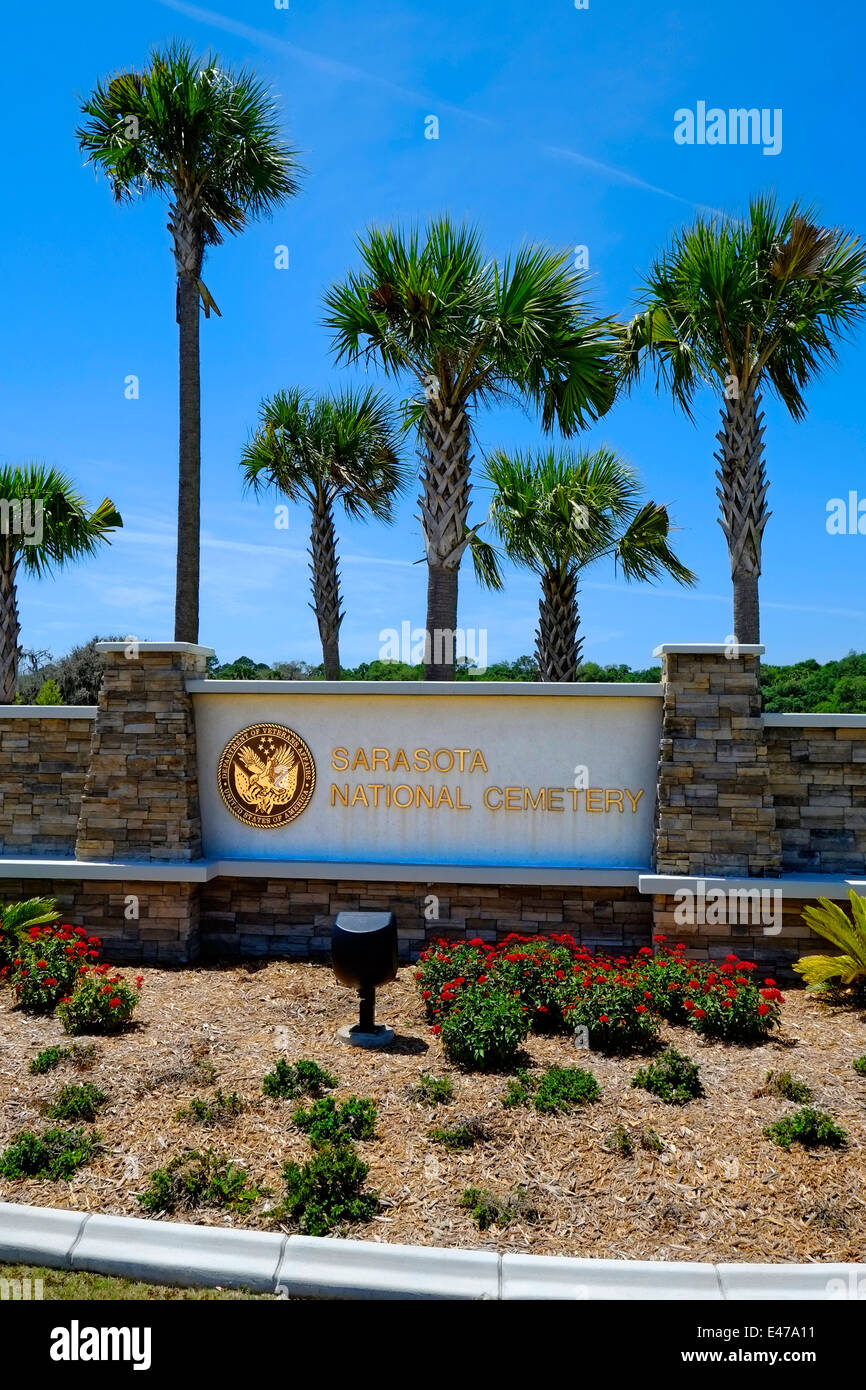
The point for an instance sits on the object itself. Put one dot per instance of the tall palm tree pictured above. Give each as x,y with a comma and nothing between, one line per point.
467,332
327,449
44,524
741,305
207,139
558,513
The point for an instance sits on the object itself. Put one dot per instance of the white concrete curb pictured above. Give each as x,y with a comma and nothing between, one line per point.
170,1252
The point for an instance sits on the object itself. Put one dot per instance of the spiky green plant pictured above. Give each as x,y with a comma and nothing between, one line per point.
466,331
848,969
324,450
559,512
44,524
206,138
17,918
740,304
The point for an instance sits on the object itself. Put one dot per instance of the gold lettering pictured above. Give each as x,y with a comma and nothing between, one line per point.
376,788
535,803
487,801
461,754
440,752
360,795
478,761
340,759
425,794
403,804
575,793
444,796
422,760
612,797
360,761
554,799
336,792
593,792
460,806
380,755
400,761
634,799
510,794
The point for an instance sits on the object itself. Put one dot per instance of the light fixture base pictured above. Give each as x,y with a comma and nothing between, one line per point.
380,1036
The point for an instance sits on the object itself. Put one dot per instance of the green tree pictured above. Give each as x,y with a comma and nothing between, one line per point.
44,525
324,450
559,513
740,305
467,331
49,693
207,139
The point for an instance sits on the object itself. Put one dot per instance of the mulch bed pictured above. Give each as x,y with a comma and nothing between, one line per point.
719,1190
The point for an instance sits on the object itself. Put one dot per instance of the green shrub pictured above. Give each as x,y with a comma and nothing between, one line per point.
541,971
717,1000
57,1153
48,1059
216,1111
49,693
327,1192
46,964
445,963
99,1003
292,1080
487,1209
859,1065
461,1135
787,1087
650,1141
619,1141
328,1123
672,1077
616,1016
198,1179
557,1088
485,1030
809,1127
434,1090
847,968
76,1102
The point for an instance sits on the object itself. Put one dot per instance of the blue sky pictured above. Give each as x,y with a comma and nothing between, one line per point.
556,125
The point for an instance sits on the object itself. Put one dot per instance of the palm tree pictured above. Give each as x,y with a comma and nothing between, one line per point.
324,450
740,305
44,524
468,331
206,138
561,512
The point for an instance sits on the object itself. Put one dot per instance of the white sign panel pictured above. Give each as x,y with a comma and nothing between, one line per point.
546,780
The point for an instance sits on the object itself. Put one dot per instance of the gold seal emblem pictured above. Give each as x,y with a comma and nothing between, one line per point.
266,776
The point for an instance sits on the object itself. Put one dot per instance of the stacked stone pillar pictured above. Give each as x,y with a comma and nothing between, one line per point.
140,802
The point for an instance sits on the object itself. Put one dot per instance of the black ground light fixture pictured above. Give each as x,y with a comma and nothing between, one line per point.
364,956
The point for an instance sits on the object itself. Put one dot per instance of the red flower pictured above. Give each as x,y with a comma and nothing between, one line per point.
640,1009
114,1003
437,1028
700,1013
763,1009
603,1018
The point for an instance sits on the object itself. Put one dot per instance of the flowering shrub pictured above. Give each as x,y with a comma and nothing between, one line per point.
15,921
47,963
484,1028
620,1001
100,1002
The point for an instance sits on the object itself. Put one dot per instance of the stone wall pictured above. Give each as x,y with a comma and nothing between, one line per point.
43,766
715,803
818,784
243,916
146,922
774,949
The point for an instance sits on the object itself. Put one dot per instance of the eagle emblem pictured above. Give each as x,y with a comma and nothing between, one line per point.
266,775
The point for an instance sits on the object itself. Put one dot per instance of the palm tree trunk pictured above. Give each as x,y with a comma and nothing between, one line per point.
444,504
10,651
557,647
742,496
327,604
189,254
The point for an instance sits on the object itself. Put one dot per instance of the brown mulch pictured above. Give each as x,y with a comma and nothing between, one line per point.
719,1190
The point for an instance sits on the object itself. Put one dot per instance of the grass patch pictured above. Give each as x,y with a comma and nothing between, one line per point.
673,1077
434,1090
488,1209
462,1135
787,1087
76,1102
220,1109
77,1286
814,1129
199,1179
859,1065
82,1057
58,1153
290,1081
619,1141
